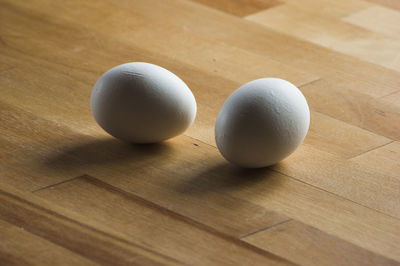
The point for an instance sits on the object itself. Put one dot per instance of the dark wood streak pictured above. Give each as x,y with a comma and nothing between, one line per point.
84,240
10,260
181,217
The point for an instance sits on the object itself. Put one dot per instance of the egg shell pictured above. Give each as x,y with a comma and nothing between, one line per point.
262,122
142,103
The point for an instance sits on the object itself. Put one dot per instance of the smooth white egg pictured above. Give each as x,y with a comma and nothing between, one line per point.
142,103
262,122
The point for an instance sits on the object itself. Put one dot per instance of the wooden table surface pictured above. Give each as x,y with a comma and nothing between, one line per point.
72,195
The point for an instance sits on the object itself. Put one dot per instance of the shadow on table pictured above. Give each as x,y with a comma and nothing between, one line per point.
226,177
84,153
176,173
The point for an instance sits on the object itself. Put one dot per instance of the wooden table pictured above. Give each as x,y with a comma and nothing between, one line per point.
72,195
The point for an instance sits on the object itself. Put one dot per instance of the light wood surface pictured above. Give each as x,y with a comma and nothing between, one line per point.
72,195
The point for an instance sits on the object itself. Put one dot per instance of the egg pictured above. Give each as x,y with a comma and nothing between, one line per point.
262,122
142,103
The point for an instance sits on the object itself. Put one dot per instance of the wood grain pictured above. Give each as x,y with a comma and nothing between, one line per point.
22,210
36,250
153,226
240,7
265,42
86,154
336,176
387,155
309,246
24,158
392,99
318,27
358,109
204,187
320,135
377,19
389,3
344,178
334,136
98,200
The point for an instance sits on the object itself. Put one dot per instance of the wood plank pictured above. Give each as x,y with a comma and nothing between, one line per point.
324,212
203,129
19,247
203,176
338,183
388,3
169,34
332,33
358,109
333,136
239,8
377,19
36,217
103,158
328,8
51,54
343,178
4,66
25,152
221,60
47,89
307,245
77,157
290,51
392,99
80,119
204,187
213,209
49,157
155,227
209,101
384,160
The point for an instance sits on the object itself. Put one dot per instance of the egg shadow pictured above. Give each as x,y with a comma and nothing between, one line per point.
226,177
84,153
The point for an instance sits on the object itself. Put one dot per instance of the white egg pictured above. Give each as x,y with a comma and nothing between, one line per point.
142,103
262,122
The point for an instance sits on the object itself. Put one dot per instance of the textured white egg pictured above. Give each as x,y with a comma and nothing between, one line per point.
262,122
142,103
